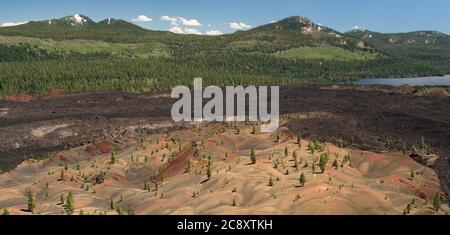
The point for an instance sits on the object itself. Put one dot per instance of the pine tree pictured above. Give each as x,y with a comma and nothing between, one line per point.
61,177
322,163
208,172
66,167
437,202
61,199
113,157
253,156
161,178
286,151
111,205
270,181
412,175
298,139
5,211
336,164
254,130
302,180
311,147
408,209
31,200
119,210
404,148
70,208
189,166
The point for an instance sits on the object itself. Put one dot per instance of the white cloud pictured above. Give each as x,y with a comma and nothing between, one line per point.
239,26
177,20
180,30
177,30
192,31
213,33
189,22
173,20
142,18
273,21
9,24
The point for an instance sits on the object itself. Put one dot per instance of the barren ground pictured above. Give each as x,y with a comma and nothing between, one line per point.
370,183
86,127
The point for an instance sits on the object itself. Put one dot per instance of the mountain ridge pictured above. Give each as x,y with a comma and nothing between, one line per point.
83,20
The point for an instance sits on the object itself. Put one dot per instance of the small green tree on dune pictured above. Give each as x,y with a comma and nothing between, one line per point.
5,211
253,156
61,199
189,166
437,202
311,147
270,181
70,207
31,200
302,180
322,163
119,210
113,158
336,164
208,172
156,188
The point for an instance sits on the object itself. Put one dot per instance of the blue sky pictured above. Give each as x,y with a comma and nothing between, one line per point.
186,16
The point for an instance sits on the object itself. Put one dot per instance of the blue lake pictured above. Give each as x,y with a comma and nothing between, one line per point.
418,81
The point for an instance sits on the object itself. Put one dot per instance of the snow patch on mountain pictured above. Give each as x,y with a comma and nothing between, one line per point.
76,19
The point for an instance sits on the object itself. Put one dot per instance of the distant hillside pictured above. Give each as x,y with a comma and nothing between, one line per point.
77,54
81,27
299,31
415,44
284,34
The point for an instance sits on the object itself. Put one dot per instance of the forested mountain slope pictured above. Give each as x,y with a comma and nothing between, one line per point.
75,53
